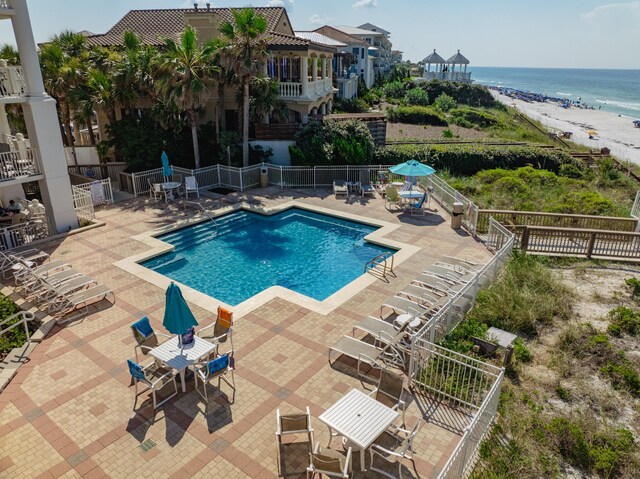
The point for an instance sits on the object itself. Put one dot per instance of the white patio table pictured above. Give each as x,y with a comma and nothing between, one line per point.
170,187
360,419
179,358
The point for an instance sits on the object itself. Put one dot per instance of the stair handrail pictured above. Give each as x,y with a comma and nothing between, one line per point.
26,317
205,212
371,264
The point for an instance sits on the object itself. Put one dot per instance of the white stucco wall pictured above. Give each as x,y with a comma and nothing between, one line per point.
86,155
280,150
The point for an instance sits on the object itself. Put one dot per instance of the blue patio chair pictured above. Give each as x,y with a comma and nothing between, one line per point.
419,206
151,377
146,338
215,369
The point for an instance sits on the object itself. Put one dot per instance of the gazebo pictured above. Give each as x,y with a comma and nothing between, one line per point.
461,62
436,60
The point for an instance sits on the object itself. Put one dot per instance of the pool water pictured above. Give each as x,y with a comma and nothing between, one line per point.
246,253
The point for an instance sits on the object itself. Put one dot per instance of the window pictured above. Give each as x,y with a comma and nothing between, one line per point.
355,51
362,54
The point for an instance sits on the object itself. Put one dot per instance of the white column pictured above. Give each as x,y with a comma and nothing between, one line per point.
304,75
27,48
44,134
4,123
330,68
265,72
324,68
314,68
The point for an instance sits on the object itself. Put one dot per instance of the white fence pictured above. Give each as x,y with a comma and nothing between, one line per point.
20,234
100,191
19,164
446,195
467,384
83,203
635,209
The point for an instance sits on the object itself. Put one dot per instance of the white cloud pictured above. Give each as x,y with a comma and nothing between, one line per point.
614,17
320,19
288,4
365,3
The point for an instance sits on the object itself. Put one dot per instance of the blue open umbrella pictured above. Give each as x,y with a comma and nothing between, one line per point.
178,318
412,168
166,169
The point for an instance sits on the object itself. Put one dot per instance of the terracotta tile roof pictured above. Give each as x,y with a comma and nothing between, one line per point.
339,35
155,24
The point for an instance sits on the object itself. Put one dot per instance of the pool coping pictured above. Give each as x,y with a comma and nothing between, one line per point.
157,247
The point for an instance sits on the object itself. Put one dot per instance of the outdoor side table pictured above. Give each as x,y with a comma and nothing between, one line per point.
171,354
360,419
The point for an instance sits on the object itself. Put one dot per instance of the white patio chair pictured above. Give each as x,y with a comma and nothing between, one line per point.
215,369
293,424
191,186
152,378
390,390
329,462
156,191
402,449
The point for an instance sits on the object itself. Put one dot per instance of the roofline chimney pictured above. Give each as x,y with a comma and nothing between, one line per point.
195,6
208,7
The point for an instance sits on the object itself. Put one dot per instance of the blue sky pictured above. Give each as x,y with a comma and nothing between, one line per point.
535,33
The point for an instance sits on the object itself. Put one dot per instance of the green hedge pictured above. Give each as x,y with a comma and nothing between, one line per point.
467,160
469,117
416,115
466,93
14,338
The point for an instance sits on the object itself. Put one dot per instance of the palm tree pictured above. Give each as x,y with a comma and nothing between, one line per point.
248,49
265,103
187,72
8,52
135,72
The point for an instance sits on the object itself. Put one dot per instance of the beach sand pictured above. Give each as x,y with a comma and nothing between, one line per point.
614,132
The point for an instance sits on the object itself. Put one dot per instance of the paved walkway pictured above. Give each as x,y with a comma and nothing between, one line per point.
68,412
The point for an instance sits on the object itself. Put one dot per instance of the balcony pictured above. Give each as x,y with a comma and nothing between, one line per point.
5,9
12,82
348,87
19,165
315,90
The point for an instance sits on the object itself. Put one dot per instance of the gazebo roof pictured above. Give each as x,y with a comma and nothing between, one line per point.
433,58
458,59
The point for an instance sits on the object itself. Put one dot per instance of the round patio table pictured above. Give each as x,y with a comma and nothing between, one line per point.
170,187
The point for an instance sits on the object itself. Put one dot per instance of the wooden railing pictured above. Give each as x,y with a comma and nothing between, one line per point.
285,131
554,220
588,243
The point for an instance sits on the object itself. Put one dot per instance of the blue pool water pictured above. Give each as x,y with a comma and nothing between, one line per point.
310,253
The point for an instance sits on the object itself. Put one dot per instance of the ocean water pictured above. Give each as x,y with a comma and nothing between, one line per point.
616,91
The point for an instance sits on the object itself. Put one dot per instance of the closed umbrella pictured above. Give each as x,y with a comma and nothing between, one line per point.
166,169
412,168
178,318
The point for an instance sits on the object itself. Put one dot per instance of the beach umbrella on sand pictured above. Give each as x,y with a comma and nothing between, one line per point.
178,318
166,169
412,168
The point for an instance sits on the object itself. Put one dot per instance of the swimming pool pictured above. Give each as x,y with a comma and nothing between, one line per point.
245,253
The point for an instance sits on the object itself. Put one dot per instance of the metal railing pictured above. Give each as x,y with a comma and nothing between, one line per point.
23,233
83,204
446,195
384,261
100,190
25,317
635,209
202,208
12,82
19,164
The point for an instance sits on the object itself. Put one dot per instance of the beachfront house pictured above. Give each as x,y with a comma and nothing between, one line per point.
302,67
452,69
31,160
354,56
379,47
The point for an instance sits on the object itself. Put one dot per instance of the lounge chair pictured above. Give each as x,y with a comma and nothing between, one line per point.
436,284
422,295
48,291
154,378
64,305
385,352
9,261
375,326
191,186
366,188
340,188
391,196
22,274
33,283
455,273
469,264
403,305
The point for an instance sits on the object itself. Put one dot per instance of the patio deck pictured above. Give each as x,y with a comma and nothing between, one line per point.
68,411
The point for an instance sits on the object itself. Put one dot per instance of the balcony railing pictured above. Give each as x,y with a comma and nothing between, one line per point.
4,4
12,82
348,87
315,89
451,76
19,164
